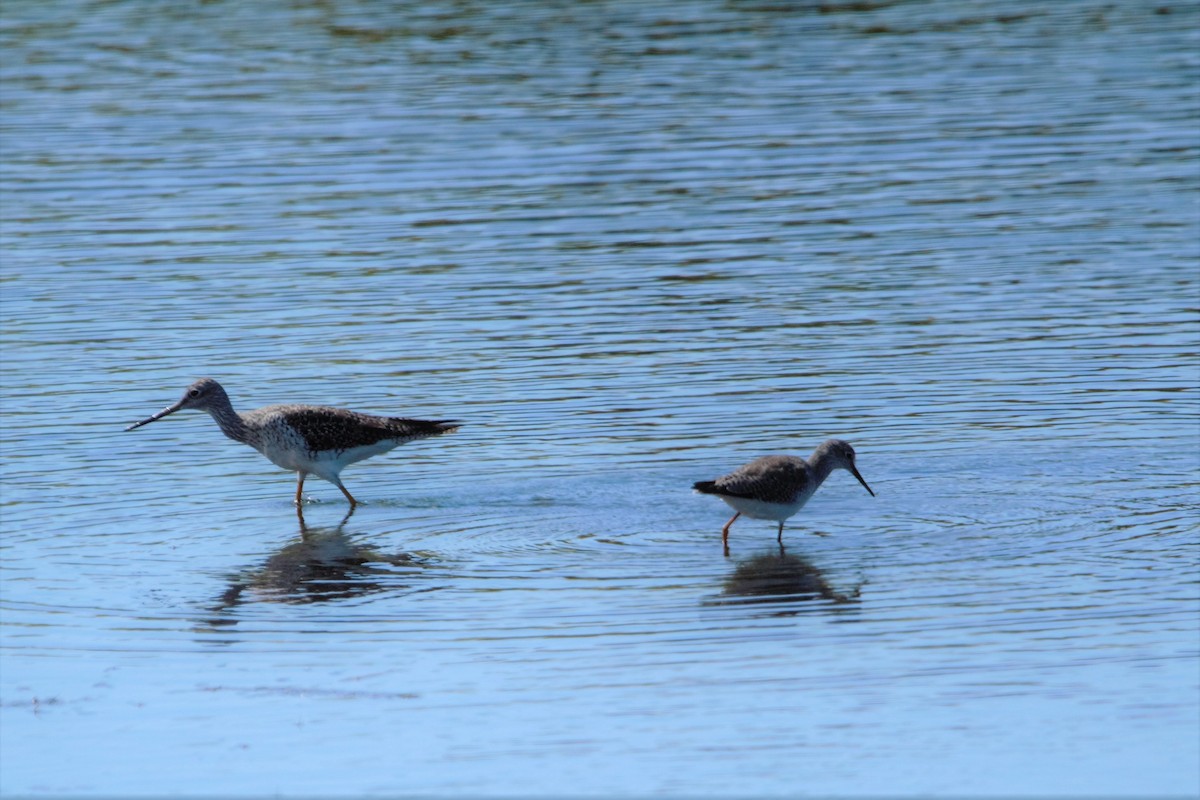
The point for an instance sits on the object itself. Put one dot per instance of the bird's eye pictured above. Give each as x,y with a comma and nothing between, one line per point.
193,393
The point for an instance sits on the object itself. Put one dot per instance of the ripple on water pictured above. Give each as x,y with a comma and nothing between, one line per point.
631,249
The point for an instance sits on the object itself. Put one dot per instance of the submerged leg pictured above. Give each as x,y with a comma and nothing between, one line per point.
300,486
725,530
349,496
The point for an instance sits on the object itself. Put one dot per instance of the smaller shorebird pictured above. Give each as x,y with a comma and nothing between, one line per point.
316,440
776,487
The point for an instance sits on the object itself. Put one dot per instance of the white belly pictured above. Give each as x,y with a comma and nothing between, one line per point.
761,510
327,465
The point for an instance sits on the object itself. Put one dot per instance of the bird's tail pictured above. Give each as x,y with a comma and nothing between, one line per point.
421,428
705,487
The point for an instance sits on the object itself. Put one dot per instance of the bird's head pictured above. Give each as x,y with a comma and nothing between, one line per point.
204,395
841,454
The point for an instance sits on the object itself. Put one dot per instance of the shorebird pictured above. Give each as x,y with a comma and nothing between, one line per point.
316,440
776,487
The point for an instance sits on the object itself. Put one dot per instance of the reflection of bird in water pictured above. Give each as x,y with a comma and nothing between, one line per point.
308,439
779,577
323,565
776,487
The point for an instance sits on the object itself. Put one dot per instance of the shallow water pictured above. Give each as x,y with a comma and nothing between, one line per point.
632,246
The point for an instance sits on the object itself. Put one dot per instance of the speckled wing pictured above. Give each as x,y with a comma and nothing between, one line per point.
333,429
771,479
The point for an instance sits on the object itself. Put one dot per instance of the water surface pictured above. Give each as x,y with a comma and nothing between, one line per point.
632,246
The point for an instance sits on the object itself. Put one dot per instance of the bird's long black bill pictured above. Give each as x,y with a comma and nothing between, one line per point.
854,472
159,415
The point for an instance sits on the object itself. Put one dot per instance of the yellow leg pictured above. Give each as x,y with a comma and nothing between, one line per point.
725,530
300,487
349,496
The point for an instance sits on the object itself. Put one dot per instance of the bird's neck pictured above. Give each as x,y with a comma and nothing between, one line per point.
822,464
231,423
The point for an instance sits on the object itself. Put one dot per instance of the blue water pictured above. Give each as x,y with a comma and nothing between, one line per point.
631,246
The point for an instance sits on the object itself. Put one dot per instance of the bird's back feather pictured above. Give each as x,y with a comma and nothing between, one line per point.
769,479
324,428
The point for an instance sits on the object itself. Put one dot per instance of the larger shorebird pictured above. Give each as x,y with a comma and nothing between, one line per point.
776,487
312,440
